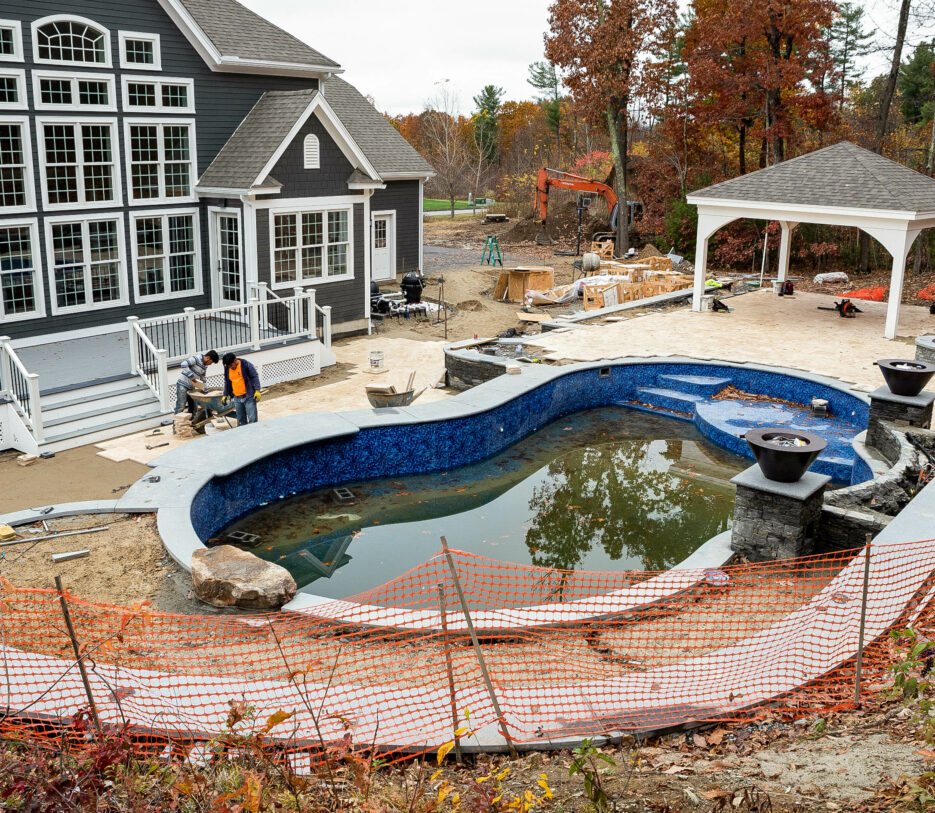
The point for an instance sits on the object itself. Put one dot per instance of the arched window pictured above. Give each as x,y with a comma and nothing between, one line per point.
312,157
71,41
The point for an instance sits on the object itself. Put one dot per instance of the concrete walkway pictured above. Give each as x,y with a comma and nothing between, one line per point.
764,328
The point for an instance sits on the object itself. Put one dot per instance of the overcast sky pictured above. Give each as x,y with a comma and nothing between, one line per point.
398,50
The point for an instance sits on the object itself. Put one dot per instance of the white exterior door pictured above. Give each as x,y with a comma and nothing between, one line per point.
227,259
383,246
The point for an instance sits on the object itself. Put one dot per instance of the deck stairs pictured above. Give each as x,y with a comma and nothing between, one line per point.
97,410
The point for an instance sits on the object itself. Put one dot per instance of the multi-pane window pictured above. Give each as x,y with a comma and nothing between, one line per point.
20,294
310,246
73,42
13,89
161,161
166,251
69,90
86,263
79,163
139,51
15,180
169,95
11,41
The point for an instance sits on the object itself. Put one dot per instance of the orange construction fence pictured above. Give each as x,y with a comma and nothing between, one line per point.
555,656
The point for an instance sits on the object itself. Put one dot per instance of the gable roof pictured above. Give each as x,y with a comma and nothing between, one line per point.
840,176
388,151
274,122
230,37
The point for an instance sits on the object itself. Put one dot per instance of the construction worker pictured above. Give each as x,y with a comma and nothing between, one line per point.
193,370
242,385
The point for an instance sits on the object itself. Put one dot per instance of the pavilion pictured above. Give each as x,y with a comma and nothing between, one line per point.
841,185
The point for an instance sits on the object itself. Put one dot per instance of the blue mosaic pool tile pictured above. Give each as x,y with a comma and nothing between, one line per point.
377,452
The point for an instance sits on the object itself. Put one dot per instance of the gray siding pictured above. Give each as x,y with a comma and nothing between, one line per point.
298,182
221,102
403,197
345,298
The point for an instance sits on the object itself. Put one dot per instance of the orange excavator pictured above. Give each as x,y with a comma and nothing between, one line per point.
549,178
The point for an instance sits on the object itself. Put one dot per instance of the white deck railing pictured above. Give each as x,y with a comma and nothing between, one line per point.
21,387
150,363
262,322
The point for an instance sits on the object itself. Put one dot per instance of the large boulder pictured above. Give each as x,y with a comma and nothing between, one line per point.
226,576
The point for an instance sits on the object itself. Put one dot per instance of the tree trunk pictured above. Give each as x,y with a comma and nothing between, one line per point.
742,149
451,197
616,126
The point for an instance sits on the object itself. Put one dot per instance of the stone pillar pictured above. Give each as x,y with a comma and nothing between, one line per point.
925,349
884,406
776,520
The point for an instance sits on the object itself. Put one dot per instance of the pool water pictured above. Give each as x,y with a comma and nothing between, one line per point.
605,489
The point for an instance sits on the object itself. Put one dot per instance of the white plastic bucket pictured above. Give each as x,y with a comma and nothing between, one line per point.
376,360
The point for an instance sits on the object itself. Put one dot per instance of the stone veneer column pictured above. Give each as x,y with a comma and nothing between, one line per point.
776,520
884,406
925,349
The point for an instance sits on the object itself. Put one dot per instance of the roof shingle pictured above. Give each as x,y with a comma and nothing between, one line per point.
842,175
237,32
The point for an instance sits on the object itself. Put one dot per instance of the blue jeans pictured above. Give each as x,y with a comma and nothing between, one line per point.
244,409
182,401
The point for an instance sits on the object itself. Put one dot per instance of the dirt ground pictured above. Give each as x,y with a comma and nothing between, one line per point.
77,474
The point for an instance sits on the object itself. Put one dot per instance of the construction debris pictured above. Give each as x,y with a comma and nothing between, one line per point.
182,426
27,459
67,557
54,536
7,533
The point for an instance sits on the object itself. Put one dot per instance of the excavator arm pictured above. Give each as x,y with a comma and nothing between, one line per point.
566,180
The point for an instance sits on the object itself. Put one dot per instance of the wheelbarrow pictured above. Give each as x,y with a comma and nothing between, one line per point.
379,400
210,405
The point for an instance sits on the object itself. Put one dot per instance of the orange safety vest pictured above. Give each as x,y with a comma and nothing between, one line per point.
238,385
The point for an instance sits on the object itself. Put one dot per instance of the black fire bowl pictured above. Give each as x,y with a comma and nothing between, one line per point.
784,455
906,376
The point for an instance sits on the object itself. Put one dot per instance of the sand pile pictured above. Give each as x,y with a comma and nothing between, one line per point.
562,224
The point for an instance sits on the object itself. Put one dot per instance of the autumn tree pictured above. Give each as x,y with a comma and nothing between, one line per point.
446,150
600,45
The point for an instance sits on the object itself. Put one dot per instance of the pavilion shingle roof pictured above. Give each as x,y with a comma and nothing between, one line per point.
238,32
842,175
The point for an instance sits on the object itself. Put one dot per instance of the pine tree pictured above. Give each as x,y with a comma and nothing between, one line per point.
847,42
917,85
485,121
544,78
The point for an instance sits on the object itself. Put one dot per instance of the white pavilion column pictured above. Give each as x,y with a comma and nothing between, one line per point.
785,247
900,252
708,223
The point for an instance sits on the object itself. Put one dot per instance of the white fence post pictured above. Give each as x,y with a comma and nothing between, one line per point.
134,349
311,315
162,359
254,306
326,325
190,331
262,293
35,408
6,371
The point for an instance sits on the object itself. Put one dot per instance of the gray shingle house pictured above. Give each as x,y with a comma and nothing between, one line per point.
179,174
163,154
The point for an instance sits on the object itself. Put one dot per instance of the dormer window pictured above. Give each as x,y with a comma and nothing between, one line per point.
140,52
312,152
71,41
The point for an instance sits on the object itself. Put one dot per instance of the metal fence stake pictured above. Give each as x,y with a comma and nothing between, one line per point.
477,651
451,677
863,622
78,658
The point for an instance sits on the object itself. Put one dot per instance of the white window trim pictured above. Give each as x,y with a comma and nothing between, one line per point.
64,18
50,262
164,214
30,205
158,81
305,149
75,106
38,282
298,211
122,38
17,28
128,157
20,75
115,149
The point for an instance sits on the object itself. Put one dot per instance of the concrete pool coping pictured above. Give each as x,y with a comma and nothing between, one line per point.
180,475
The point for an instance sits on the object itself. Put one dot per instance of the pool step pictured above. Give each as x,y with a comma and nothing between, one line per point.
674,400
696,384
